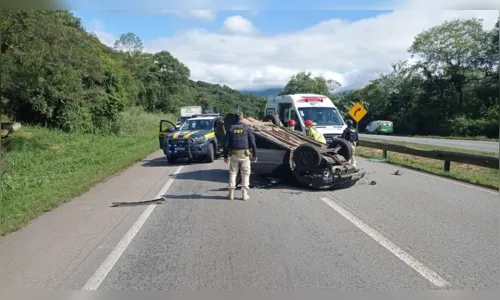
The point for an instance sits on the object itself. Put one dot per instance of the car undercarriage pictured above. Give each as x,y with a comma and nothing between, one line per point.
289,155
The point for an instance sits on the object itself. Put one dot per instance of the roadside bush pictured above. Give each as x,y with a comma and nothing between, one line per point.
136,119
487,126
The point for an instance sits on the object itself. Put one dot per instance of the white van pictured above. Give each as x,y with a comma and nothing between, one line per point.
301,107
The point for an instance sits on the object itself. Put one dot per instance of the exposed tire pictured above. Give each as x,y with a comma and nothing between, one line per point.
345,147
273,118
171,160
211,153
307,157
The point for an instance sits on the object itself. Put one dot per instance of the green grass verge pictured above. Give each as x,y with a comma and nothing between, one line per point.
480,176
433,147
46,167
467,138
470,138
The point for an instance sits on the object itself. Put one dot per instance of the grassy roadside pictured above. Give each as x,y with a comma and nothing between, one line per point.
46,168
471,174
466,138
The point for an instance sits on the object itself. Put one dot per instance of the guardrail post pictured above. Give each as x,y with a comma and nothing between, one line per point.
447,166
384,153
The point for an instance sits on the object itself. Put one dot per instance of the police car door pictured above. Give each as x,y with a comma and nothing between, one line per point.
220,133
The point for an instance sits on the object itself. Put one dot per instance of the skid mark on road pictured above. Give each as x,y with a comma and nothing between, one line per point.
412,262
95,281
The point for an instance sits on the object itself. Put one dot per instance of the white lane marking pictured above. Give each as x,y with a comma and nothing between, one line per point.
95,281
412,262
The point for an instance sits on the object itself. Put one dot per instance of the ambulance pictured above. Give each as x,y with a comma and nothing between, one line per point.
301,107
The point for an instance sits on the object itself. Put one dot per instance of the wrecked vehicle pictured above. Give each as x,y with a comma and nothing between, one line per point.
284,153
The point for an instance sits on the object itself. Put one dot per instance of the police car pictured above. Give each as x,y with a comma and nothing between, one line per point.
194,140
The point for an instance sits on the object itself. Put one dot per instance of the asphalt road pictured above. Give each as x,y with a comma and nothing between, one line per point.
392,235
460,144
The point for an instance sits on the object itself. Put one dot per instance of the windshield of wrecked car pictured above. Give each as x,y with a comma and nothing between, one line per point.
197,125
323,116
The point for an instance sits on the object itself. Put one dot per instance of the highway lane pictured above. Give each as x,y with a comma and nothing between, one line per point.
460,144
282,238
287,239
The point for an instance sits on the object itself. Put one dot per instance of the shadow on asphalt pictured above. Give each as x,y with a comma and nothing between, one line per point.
215,175
285,185
162,162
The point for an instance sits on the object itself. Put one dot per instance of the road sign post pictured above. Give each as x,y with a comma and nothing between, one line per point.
357,112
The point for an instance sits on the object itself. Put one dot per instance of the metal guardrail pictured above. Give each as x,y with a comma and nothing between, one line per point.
486,161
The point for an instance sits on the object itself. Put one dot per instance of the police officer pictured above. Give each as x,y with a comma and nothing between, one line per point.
350,134
313,132
291,124
241,147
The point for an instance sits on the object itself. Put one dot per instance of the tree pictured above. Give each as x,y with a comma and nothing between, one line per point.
129,43
56,74
452,89
451,50
302,83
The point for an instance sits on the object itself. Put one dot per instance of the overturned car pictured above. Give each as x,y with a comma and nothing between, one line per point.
297,158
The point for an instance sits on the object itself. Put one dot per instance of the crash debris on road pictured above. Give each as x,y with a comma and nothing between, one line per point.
136,203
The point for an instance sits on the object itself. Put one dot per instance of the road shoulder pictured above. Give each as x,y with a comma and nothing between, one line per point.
67,235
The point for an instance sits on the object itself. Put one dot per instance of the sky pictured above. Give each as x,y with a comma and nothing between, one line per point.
252,46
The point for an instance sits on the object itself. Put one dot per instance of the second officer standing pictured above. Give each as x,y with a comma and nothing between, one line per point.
240,150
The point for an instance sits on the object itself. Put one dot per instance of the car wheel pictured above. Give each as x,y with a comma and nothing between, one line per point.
307,157
273,119
210,155
171,160
345,147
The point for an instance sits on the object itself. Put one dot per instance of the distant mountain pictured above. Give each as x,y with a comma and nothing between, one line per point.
275,91
344,92
262,93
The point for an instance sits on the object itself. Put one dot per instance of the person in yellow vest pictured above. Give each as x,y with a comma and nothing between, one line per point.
313,132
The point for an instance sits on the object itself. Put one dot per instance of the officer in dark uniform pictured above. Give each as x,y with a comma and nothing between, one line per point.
240,150
350,134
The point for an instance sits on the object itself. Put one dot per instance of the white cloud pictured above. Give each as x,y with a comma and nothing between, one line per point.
349,52
99,29
238,25
204,15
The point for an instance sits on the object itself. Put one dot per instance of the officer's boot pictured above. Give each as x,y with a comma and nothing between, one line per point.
230,195
244,194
